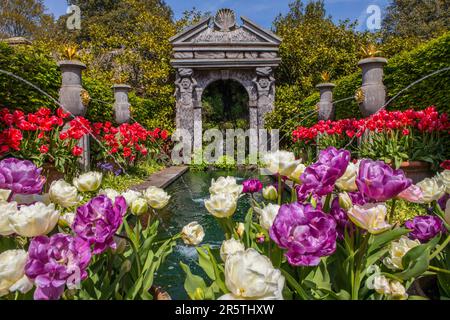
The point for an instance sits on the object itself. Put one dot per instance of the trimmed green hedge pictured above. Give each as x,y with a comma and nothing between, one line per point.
34,66
39,68
401,71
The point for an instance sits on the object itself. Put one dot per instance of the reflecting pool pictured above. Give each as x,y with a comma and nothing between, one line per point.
187,205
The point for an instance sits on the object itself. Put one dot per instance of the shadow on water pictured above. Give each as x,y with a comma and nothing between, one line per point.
187,205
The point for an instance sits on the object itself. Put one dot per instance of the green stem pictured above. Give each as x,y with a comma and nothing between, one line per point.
438,270
391,214
135,250
440,248
280,189
358,264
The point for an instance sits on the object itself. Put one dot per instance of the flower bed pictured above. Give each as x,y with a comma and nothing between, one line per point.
47,138
335,238
393,137
55,247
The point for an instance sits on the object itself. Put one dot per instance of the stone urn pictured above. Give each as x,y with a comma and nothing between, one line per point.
121,104
417,170
70,94
326,106
372,85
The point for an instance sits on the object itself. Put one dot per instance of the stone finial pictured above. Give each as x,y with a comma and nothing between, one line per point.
225,20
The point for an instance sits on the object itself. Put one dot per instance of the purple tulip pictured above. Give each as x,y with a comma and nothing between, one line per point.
379,182
307,233
319,178
442,202
425,228
252,186
56,262
20,176
98,220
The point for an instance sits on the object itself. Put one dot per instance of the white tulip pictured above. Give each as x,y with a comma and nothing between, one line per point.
64,194
35,220
270,193
432,188
192,234
230,247
281,162
225,185
397,252
4,194
447,212
445,178
139,207
296,174
387,287
110,193
221,205
6,209
348,181
130,196
267,215
89,181
398,291
67,219
157,198
250,275
345,202
381,285
12,271
371,217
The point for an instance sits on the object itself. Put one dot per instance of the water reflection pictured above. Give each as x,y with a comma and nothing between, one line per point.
187,205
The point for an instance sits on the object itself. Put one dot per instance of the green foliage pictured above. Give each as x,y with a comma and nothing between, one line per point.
23,18
416,18
35,66
291,111
134,176
402,70
226,163
312,43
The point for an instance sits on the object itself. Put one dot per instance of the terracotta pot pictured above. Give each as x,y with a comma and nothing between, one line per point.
417,170
49,171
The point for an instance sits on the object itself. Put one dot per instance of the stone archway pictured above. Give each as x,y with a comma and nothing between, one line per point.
218,49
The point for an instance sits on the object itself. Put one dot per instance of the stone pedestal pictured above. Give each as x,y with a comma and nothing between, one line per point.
121,104
326,106
71,101
372,85
71,88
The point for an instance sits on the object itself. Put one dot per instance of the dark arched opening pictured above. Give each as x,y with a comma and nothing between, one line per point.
225,106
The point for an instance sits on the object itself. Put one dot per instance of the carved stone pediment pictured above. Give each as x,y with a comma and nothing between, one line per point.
216,36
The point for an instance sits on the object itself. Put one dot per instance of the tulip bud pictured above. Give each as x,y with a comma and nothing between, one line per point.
240,229
126,266
199,294
345,201
139,207
270,193
121,245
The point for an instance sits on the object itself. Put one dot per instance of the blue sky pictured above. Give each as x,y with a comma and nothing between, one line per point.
261,11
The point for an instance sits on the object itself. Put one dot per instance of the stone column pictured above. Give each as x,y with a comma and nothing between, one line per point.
326,106
185,87
70,97
264,83
121,104
372,85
